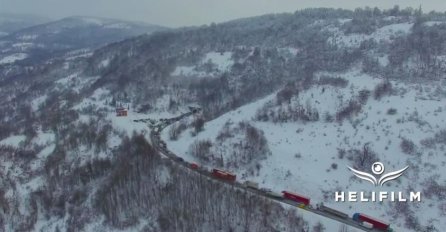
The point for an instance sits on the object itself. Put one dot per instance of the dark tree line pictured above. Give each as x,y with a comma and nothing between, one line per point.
142,186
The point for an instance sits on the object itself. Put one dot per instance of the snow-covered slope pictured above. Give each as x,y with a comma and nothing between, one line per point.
382,34
213,64
12,58
306,156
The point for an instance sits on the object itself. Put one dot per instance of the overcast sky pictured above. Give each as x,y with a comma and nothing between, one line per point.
176,13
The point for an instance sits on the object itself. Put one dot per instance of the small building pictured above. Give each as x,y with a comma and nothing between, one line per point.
121,112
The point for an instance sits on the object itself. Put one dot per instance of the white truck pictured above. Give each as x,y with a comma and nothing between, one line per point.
251,184
271,193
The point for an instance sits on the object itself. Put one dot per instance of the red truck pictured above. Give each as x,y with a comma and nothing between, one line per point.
377,224
194,166
296,197
223,175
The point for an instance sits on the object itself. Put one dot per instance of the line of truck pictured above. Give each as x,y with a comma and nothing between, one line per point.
359,220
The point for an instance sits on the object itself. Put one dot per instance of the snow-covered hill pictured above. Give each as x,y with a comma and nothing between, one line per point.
69,34
311,158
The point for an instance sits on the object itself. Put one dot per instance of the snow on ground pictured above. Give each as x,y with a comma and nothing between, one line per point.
187,71
65,81
383,60
221,60
38,101
36,164
44,138
99,100
303,154
23,46
91,20
27,37
13,141
75,82
126,123
343,21
314,219
101,97
12,58
289,52
389,30
77,52
433,23
49,224
390,18
118,26
142,225
385,33
96,98
71,55
24,174
104,63
84,55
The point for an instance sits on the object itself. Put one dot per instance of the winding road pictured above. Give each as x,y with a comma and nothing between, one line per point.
161,147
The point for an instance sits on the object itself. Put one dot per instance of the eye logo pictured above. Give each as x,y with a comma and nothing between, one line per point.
378,169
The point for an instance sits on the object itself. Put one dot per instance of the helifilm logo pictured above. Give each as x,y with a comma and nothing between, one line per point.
378,170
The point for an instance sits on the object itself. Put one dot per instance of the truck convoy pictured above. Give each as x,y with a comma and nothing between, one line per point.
303,201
